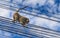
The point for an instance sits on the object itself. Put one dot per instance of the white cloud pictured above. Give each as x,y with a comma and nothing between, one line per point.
4,12
8,0
44,23
57,27
17,1
7,34
33,2
51,2
41,2
59,8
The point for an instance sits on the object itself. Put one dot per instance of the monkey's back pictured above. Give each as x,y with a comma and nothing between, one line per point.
16,16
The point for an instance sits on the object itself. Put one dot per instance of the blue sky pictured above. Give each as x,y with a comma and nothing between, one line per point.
40,21
45,8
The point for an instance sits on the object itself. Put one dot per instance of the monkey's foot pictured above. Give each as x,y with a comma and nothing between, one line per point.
23,25
13,21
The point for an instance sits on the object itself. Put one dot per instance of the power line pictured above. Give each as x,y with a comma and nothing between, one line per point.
31,14
14,30
45,32
28,7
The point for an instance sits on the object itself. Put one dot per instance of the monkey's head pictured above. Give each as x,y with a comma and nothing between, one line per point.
24,21
27,21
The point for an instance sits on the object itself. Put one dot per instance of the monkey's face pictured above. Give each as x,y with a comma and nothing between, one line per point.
25,22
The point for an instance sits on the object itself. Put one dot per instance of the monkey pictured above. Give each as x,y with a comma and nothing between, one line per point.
21,19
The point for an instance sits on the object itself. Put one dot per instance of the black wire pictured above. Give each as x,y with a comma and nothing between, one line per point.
14,30
25,6
21,26
43,31
39,16
43,17
19,29
31,25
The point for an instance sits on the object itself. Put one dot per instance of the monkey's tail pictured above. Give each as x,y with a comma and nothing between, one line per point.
20,9
23,7
17,10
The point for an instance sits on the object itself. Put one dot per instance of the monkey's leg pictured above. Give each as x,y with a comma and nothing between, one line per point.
14,19
23,24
